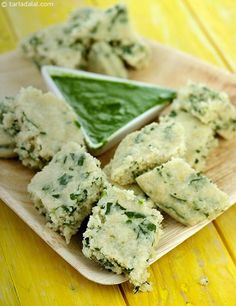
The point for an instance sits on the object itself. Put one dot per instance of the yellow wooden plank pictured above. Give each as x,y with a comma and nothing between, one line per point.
41,276
218,18
170,23
226,227
7,37
29,19
177,275
8,293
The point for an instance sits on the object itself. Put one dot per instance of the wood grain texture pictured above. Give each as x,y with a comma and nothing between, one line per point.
39,16
8,293
221,168
218,19
7,36
55,278
226,227
180,28
203,255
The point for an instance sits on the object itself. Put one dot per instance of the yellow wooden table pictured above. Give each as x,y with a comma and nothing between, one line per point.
31,274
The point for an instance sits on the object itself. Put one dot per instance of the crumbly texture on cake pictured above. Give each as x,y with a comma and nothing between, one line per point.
103,59
142,197
199,138
210,107
183,193
67,188
142,150
51,46
7,143
122,235
135,53
42,123
102,41
112,24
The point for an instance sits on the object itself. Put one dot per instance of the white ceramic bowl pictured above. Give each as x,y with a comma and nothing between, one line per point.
136,123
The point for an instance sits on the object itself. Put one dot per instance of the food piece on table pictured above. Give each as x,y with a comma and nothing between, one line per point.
199,138
7,143
184,194
44,124
67,188
122,235
142,197
51,46
142,150
135,53
211,107
102,59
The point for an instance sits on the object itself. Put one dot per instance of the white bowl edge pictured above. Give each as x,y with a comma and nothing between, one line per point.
132,125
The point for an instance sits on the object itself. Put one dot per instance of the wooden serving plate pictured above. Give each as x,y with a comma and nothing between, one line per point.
169,68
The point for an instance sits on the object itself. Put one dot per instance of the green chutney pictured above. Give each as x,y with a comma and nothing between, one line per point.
104,106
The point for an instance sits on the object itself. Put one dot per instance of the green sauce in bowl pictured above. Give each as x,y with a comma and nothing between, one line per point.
104,106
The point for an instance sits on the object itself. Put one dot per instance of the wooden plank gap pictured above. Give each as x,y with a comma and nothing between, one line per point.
11,278
207,34
221,235
9,23
123,295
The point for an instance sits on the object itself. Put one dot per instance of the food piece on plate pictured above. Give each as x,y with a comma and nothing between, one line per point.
44,124
81,15
135,53
143,150
102,59
51,46
7,143
184,194
82,22
142,197
122,235
211,107
105,106
199,138
67,188
110,24
90,31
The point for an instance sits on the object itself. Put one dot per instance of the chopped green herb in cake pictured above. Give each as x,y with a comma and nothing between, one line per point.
122,235
143,150
67,188
210,107
183,193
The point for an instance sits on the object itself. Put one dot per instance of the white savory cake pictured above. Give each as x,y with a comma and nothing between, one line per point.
112,24
122,234
183,193
209,106
199,138
134,53
43,123
67,188
142,197
103,59
51,46
102,41
7,143
143,150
